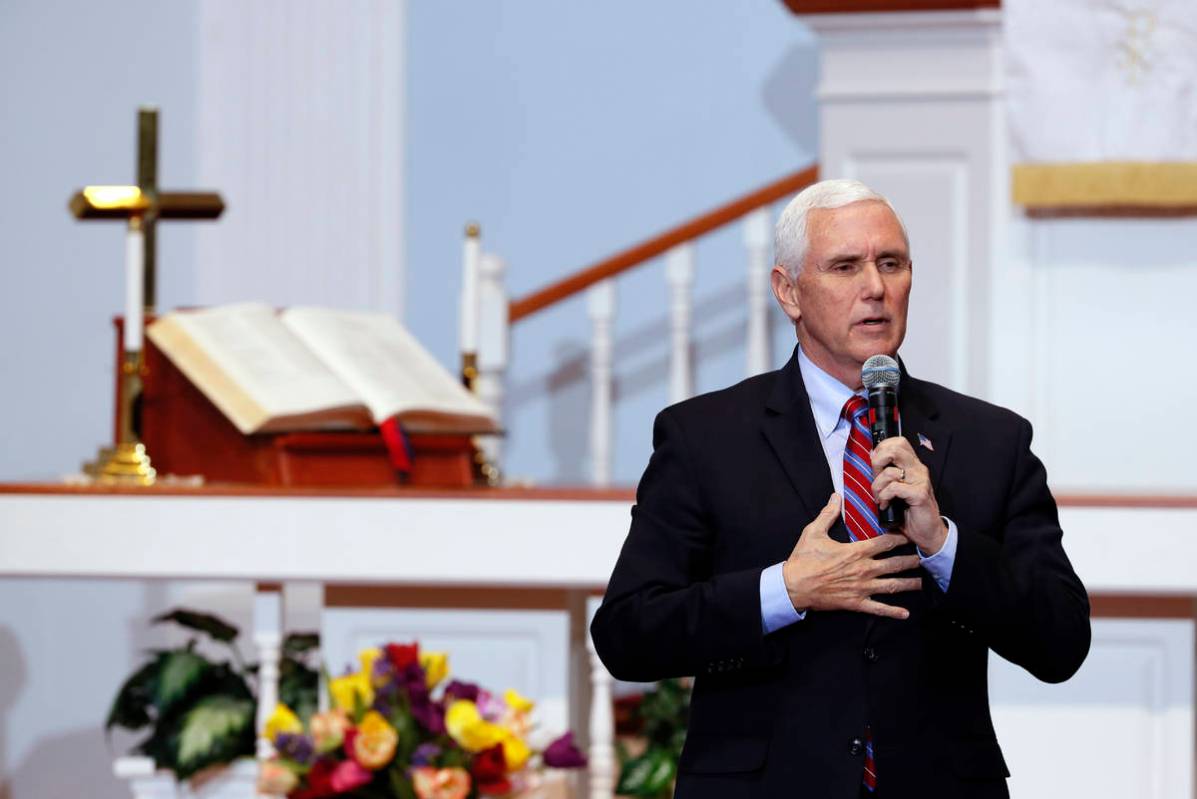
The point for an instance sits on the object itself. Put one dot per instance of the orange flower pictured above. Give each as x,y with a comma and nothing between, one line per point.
374,742
440,783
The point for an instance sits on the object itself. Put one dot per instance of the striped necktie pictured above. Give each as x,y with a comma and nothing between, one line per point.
860,514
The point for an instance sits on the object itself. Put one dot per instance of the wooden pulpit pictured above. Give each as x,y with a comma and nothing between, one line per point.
186,434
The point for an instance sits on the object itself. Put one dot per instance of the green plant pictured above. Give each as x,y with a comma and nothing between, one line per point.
664,712
201,713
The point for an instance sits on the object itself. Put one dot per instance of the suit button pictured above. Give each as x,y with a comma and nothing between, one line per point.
871,655
856,747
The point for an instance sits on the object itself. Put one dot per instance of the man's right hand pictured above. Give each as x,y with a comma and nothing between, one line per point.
823,574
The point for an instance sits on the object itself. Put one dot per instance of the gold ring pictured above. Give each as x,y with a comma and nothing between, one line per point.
902,479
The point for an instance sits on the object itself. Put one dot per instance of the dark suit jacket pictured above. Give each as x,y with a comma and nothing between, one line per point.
734,477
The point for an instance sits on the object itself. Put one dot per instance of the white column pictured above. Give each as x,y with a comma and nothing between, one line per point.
300,126
493,343
601,307
268,639
758,240
602,724
935,82
679,272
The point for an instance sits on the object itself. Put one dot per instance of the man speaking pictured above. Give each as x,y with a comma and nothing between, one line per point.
834,657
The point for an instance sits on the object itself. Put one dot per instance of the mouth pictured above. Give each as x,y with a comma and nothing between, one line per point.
873,322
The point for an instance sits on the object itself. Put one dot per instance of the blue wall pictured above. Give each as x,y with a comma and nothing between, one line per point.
570,131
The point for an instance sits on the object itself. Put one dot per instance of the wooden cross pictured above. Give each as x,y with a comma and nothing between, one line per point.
143,204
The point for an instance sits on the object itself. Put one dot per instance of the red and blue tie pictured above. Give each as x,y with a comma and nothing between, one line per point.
860,513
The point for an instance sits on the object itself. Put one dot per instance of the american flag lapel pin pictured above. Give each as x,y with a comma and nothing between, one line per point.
925,442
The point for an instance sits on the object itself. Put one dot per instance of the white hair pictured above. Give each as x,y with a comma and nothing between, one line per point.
790,239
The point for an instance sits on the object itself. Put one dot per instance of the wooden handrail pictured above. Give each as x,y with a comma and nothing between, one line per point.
634,256
888,6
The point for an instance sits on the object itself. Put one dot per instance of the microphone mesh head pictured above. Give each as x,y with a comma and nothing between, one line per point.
880,371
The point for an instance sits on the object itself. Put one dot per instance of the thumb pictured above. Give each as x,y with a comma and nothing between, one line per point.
826,518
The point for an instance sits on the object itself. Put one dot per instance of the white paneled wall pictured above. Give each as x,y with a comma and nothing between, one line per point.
301,129
1123,726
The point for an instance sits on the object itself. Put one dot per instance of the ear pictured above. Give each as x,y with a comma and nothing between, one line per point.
785,289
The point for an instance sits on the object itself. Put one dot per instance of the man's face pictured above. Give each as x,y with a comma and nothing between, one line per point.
849,301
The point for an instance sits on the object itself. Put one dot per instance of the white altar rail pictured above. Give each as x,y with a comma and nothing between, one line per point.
488,311
566,546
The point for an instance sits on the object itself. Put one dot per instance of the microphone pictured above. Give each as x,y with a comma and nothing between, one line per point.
880,377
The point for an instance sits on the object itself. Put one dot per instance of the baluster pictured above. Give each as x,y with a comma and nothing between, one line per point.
602,725
758,233
268,638
679,272
492,346
602,313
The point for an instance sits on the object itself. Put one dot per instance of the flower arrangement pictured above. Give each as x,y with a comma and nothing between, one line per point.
398,728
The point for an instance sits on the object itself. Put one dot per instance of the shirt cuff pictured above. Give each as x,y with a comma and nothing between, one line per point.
940,564
777,610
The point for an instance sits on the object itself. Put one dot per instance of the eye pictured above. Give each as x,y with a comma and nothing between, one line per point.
890,265
843,267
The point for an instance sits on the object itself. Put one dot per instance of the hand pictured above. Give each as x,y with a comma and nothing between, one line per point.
901,475
823,574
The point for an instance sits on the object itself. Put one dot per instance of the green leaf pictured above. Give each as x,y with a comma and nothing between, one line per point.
131,707
648,774
296,644
214,626
218,729
178,674
663,770
401,786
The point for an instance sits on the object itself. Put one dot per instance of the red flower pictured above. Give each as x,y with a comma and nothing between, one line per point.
403,655
489,770
318,781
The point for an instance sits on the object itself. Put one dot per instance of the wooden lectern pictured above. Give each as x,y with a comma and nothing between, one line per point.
188,435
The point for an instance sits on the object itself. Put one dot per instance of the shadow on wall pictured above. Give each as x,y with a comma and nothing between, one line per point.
789,95
14,670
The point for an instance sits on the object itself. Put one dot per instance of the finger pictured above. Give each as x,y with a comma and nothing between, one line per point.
890,474
914,494
894,585
881,609
899,564
896,451
826,518
882,543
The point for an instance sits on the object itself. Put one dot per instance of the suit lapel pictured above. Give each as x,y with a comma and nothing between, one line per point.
789,427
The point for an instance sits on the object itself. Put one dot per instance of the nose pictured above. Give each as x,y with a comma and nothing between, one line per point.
873,287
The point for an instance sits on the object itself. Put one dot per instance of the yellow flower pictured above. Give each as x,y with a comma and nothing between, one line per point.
375,742
328,729
436,667
466,726
282,720
367,657
345,689
518,703
515,752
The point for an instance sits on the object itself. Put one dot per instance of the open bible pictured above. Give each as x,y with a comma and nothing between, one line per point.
307,369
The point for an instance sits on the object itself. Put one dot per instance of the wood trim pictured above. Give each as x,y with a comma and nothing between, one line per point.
214,490
885,6
1168,501
1136,606
1112,211
634,256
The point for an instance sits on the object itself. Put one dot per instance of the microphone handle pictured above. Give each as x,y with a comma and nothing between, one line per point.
883,404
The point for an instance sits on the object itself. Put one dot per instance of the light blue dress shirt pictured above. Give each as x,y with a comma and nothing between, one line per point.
827,398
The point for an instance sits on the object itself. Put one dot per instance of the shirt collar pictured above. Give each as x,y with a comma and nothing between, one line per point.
827,395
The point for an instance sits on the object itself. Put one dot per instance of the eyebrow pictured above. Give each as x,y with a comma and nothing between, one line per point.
859,256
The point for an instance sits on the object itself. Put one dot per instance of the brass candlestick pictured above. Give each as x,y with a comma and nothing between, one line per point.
485,472
126,463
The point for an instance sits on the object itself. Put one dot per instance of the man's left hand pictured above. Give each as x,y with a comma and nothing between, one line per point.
901,475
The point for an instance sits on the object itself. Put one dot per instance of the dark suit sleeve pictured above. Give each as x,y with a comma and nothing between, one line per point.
665,614
1020,592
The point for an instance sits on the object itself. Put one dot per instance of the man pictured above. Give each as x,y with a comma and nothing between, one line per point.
834,660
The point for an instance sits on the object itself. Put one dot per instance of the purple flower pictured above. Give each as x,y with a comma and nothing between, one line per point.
297,748
425,754
562,753
490,706
430,715
461,690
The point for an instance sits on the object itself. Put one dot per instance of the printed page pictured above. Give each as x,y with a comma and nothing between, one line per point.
252,367
389,370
